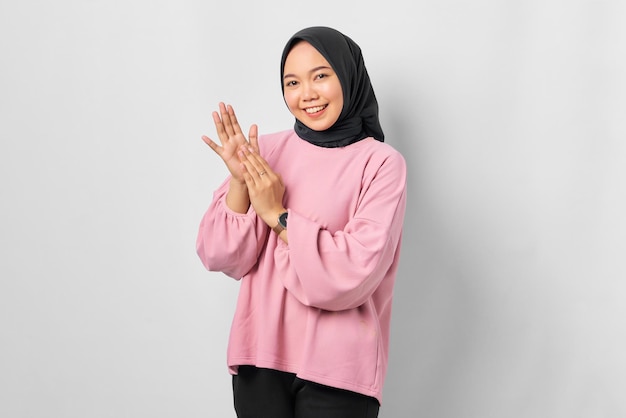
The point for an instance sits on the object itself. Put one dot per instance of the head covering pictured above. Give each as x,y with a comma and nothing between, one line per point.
359,116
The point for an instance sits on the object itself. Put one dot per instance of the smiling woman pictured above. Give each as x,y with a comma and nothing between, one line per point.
311,88
311,330
312,50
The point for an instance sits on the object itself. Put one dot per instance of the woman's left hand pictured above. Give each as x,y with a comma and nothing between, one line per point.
265,186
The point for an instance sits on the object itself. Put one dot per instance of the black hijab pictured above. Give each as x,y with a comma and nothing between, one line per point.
359,116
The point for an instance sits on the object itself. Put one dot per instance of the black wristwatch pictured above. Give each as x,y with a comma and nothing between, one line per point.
282,223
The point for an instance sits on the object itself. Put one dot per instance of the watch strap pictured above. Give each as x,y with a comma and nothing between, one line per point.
278,229
281,223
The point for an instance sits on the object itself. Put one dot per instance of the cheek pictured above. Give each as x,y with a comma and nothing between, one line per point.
334,93
336,96
291,100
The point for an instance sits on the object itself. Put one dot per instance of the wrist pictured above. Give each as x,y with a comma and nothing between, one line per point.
239,185
280,222
237,198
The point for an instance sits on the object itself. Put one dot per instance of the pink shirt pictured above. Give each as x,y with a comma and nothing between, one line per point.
319,307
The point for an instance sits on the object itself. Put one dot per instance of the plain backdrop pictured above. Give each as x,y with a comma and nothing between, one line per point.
510,114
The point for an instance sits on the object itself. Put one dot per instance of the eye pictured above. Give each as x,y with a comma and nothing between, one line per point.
291,83
320,76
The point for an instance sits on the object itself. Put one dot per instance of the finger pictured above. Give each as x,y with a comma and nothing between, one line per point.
250,184
255,161
219,127
254,137
280,179
247,163
250,175
259,161
213,145
210,142
228,127
257,169
233,120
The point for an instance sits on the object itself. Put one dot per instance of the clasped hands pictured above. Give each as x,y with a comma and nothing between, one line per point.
253,180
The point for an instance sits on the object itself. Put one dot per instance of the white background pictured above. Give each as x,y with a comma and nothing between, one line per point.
510,114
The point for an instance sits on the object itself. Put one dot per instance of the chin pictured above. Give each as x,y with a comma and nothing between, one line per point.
317,128
317,125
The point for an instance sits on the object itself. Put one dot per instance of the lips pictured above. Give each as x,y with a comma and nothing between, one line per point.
316,109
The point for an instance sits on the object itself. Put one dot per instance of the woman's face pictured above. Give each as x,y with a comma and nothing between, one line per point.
311,88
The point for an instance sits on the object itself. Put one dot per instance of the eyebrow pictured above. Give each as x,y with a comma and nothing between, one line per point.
321,67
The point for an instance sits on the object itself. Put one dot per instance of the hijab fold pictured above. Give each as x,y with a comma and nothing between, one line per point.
359,116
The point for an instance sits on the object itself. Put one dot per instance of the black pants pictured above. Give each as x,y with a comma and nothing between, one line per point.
266,393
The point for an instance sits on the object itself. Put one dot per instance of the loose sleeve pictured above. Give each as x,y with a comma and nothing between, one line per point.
342,269
228,241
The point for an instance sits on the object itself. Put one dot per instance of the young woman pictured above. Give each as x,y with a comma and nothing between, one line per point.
310,221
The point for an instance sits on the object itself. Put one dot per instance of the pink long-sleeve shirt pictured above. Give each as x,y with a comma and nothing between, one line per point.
320,306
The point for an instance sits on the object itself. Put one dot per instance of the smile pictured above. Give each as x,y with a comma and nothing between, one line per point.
311,110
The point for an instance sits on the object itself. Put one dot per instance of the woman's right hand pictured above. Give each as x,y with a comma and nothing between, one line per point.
231,139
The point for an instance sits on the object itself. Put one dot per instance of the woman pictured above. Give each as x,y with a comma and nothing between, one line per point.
310,220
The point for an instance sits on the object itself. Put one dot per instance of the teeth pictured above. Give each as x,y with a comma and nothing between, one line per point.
314,109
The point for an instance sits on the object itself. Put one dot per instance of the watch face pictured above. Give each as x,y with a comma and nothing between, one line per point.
282,219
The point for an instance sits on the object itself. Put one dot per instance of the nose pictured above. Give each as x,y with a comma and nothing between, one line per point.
308,91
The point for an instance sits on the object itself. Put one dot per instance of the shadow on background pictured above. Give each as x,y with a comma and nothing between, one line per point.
431,313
